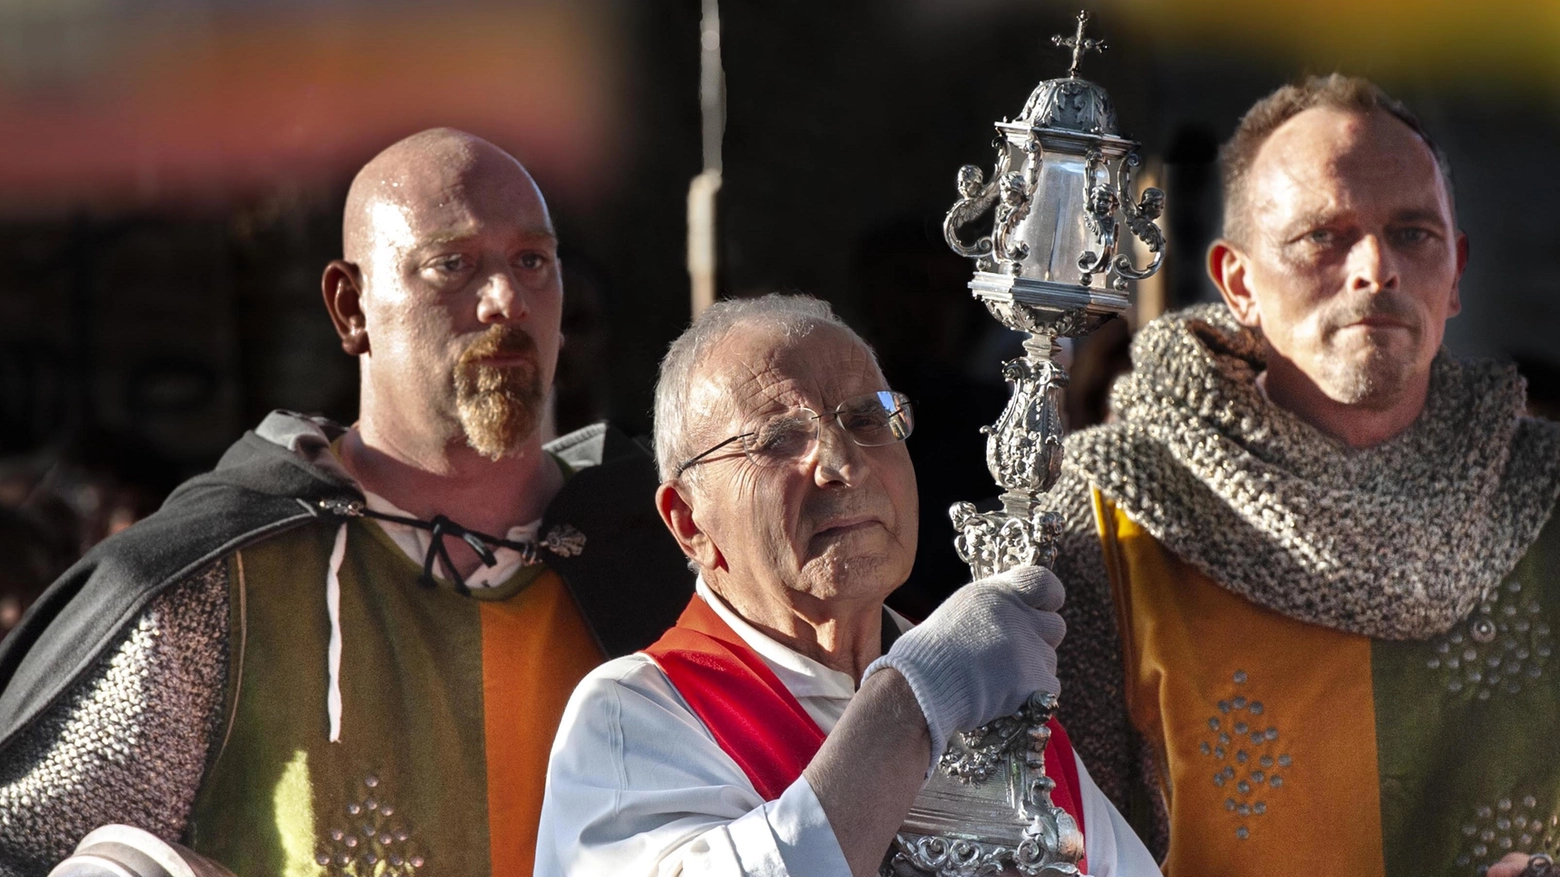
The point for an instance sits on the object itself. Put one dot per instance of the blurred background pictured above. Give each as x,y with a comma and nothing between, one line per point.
172,174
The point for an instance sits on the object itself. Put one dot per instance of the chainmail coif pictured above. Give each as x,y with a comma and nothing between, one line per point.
1398,541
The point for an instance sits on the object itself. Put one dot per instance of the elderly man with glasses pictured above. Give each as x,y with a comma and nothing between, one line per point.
786,723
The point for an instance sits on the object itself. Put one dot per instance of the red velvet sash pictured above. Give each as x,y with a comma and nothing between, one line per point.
760,724
1062,767
727,685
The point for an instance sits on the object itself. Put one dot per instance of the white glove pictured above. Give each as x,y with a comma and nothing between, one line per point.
983,652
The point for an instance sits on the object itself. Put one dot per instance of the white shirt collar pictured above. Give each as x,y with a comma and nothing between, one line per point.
414,542
801,675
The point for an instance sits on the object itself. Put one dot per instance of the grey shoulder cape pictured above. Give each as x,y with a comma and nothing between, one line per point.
630,583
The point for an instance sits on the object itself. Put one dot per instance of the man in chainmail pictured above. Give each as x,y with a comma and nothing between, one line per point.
320,658
1311,568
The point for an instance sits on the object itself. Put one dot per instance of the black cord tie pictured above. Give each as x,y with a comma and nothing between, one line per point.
438,528
441,526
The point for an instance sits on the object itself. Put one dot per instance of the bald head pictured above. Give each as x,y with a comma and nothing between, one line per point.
449,294
423,170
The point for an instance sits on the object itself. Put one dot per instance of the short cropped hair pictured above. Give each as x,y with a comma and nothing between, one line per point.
1350,93
793,315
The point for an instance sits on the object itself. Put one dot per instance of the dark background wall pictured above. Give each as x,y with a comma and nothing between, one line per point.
171,176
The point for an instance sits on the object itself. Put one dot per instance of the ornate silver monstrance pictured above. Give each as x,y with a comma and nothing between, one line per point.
1061,191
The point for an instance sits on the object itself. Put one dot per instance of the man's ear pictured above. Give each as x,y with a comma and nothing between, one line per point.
342,285
1227,267
676,511
1462,262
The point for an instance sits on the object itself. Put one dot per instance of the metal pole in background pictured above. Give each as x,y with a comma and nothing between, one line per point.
701,192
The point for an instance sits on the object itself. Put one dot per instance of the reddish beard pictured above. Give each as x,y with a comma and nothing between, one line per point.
500,406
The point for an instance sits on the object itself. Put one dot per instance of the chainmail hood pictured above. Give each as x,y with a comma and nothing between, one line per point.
1398,541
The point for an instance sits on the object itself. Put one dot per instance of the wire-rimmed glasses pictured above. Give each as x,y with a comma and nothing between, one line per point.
871,420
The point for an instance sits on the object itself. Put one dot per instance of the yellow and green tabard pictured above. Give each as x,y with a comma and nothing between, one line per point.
1291,748
448,708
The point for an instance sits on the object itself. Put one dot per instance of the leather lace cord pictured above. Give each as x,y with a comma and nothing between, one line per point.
441,527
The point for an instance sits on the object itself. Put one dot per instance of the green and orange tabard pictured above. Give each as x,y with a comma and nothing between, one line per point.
1292,748
449,705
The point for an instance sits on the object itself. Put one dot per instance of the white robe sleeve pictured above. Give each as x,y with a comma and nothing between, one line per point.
636,785
1113,848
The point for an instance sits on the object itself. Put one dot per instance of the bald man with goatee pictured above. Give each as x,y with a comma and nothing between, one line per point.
346,649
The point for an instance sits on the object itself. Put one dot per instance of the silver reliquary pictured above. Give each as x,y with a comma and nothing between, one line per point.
1052,264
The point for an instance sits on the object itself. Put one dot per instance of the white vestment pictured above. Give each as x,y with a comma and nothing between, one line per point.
637,786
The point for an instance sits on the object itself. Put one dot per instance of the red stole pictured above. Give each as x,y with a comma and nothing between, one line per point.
760,724
727,685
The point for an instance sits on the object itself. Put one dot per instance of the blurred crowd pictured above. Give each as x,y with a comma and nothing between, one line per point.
60,500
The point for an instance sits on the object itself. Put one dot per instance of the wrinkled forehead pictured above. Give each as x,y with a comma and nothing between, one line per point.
1328,159
757,369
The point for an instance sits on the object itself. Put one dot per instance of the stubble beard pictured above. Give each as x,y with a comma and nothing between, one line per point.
499,407
1371,378
1364,371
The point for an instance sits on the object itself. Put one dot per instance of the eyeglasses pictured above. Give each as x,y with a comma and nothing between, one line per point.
871,420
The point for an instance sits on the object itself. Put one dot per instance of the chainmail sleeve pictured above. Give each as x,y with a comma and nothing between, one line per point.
1089,664
128,743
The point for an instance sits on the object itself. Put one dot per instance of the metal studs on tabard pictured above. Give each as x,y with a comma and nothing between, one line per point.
1518,822
1246,753
1500,649
375,839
